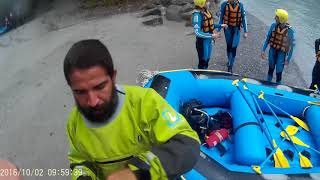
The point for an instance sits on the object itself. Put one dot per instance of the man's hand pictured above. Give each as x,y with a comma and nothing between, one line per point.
286,62
318,58
245,35
124,174
224,26
264,55
215,36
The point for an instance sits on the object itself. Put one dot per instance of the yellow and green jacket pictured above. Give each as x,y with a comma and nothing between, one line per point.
144,134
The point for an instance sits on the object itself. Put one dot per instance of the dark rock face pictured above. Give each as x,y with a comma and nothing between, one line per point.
165,2
21,10
148,6
186,16
154,11
153,20
186,8
179,2
173,13
174,10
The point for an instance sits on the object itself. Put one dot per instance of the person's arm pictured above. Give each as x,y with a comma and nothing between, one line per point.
266,42
222,12
292,44
196,22
82,169
175,146
217,26
244,18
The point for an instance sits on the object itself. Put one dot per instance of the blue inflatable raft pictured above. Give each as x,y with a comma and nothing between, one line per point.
266,118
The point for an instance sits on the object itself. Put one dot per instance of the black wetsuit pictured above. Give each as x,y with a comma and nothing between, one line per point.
316,69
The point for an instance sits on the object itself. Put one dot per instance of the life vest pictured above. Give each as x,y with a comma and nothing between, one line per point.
279,39
207,22
232,16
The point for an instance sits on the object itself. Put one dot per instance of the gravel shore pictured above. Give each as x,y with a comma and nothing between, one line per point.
248,60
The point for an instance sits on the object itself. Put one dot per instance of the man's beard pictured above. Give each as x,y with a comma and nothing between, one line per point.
102,113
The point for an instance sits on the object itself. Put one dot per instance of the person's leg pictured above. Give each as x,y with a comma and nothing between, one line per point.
271,58
228,37
270,72
315,76
199,46
232,58
207,52
280,66
279,77
235,43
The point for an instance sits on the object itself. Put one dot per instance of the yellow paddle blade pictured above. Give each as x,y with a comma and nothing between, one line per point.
257,169
314,103
245,87
300,122
299,142
291,130
304,161
235,82
261,95
244,79
283,134
280,161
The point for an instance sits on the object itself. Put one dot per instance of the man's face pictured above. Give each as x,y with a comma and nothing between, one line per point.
94,92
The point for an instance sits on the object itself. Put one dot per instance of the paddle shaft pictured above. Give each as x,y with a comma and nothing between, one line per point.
278,145
265,122
297,120
295,147
274,114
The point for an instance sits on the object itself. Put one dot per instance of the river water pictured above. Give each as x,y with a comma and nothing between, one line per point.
304,17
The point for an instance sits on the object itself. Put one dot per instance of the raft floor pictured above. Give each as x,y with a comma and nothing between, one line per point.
228,162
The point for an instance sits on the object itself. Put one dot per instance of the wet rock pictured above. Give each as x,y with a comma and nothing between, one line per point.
153,21
186,16
148,6
186,8
173,13
165,2
157,2
154,11
179,2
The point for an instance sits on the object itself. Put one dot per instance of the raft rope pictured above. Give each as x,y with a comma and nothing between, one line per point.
144,76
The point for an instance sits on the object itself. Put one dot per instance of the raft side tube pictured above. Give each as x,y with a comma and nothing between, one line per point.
249,143
312,115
